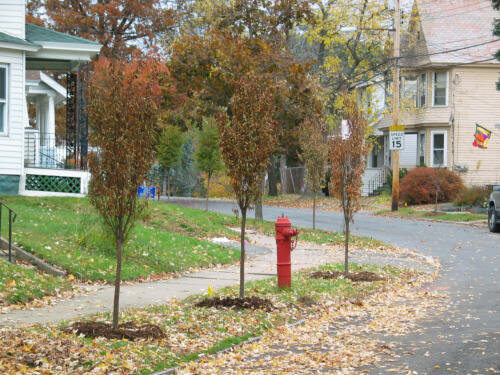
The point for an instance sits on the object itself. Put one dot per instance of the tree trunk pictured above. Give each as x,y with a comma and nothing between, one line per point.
314,211
273,177
208,191
258,206
168,185
242,259
283,189
346,247
258,210
164,184
116,302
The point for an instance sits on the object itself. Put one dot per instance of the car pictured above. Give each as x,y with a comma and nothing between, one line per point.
494,210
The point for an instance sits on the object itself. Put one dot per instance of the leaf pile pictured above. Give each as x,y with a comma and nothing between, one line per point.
353,276
254,303
129,330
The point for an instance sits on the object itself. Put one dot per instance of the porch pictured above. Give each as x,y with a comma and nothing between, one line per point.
55,146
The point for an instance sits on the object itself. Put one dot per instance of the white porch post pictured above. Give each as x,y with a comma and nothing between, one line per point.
48,124
51,122
38,107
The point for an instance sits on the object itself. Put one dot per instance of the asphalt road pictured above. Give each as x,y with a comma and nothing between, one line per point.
467,339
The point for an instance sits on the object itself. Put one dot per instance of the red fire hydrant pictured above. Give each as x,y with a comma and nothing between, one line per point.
284,234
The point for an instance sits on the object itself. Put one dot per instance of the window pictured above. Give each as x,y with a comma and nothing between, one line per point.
415,90
3,99
421,149
440,89
439,148
422,90
410,89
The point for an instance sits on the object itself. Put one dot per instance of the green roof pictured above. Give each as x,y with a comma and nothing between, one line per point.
36,33
6,38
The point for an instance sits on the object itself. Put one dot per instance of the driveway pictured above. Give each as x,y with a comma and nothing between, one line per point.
466,339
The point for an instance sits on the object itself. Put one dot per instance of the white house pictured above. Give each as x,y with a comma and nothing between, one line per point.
31,160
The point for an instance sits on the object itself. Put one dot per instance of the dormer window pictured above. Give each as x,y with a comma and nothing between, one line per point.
3,99
440,89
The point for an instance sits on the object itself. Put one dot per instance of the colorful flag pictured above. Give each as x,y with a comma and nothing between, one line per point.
481,137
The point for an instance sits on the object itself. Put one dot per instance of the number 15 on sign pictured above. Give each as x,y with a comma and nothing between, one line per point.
397,140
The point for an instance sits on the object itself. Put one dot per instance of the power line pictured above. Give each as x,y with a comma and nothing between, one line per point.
451,50
423,55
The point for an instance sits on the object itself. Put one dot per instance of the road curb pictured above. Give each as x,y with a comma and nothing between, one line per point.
173,370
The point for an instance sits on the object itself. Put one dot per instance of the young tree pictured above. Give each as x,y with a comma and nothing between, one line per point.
348,153
207,156
169,151
314,145
123,106
247,140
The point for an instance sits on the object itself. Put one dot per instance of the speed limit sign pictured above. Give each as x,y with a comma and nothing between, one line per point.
396,140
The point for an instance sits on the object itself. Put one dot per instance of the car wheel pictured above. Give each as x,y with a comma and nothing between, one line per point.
492,220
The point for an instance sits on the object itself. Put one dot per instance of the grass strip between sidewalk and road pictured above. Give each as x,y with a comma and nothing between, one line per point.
190,331
407,212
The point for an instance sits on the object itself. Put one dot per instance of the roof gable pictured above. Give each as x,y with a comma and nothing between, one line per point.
463,27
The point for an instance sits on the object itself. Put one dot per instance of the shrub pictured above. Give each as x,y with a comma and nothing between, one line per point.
419,186
473,196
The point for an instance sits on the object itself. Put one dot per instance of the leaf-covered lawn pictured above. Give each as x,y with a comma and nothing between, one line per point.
67,232
19,284
190,331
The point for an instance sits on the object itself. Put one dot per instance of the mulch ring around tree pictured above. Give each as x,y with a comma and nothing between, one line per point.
254,303
354,276
130,330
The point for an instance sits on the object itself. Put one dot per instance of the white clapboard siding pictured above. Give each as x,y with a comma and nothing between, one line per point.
408,156
11,145
12,17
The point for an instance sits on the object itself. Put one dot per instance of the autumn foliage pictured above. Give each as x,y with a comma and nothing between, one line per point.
420,185
119,25
247,140
123,106
348,153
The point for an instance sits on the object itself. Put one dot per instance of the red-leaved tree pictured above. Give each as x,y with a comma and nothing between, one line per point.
247,139
123,107
121,26
348,152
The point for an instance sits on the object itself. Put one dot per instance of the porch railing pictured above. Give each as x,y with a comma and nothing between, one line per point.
12,218
45,150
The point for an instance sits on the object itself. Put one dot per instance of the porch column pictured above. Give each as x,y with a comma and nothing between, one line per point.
49,129
38,107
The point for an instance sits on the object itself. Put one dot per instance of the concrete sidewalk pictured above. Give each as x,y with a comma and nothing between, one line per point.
261,264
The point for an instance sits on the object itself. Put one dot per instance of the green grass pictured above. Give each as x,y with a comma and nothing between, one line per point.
412,213
68,232
193,331
19,284
462,217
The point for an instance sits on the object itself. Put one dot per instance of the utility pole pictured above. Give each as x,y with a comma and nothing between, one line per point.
395,105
